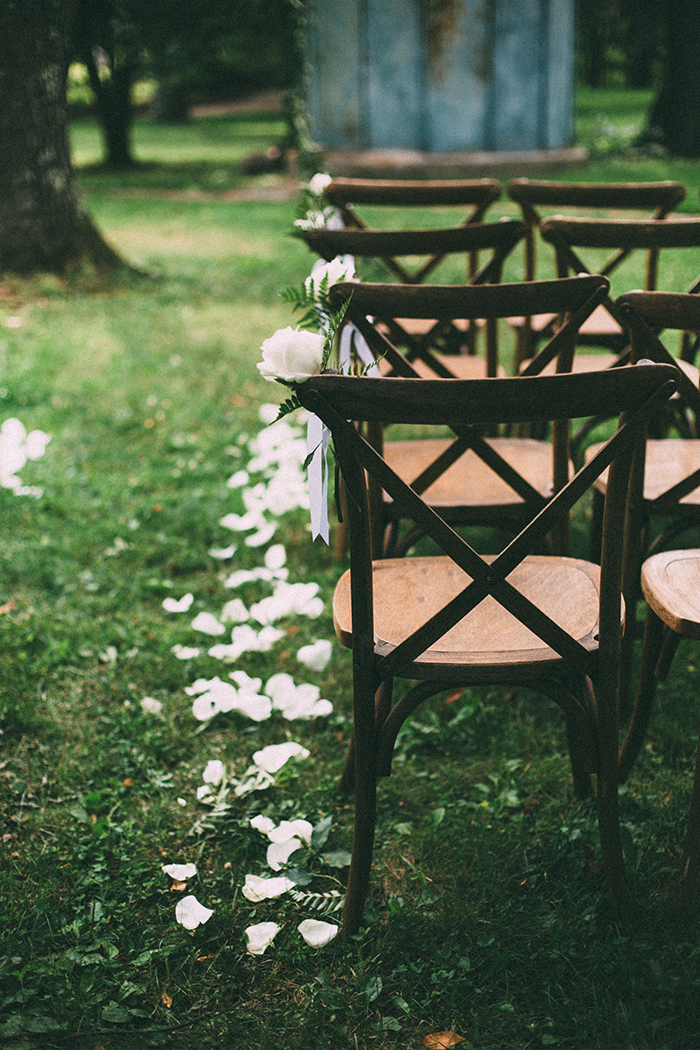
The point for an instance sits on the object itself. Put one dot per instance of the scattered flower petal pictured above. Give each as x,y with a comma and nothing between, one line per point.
278,853
316,655
184,652
238,480
262,536
273,757
275,556
204,791
190,913
259,889
296,701
317,933
151,706
175,606
181,872
262,824
288,829
223,553
214,772
234,611
207,623
260,936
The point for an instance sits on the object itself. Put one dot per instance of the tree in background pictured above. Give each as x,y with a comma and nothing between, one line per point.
221,49
674,120
43,224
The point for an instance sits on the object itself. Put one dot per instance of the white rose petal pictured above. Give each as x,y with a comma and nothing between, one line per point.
238,480
316,655
278,853
288,829
205,707
342,268
260,936
175,606
191,914
259,889
207,623
181,872
319,183
274,756
223,553
291,354
184,652
234,611
317,933
214,772
275,557
151,706
204,791
262,536
262,824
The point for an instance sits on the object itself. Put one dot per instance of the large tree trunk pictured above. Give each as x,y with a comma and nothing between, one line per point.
43,224
675,115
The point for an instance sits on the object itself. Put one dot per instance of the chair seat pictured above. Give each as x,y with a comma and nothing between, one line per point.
668,461
671,585
469,482
462,366
582,363
408,591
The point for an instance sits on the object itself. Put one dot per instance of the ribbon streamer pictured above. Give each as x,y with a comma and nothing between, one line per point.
317,438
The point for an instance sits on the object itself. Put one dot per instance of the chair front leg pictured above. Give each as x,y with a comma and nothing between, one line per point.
646,691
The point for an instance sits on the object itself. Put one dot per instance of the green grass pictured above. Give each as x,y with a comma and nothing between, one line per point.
488,913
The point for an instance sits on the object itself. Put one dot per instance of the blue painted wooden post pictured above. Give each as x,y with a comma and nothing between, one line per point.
441,75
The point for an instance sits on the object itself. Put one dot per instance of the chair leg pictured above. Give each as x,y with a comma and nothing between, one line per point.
646,691
690,865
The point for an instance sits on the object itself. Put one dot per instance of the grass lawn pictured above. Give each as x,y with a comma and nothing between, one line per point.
488,914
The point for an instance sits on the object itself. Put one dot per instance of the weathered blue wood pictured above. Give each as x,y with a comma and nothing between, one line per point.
394,88
458,82
335,92
441,75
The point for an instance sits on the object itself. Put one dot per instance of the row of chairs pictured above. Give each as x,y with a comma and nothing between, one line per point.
528,613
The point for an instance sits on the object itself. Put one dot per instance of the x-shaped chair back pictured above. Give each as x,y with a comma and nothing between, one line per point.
538,198
392,245
476,195
431,644
569,236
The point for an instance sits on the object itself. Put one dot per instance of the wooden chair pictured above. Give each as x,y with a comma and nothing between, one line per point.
670,489
671,586
460,619
480,479
499,238
539,199
569,236
476,195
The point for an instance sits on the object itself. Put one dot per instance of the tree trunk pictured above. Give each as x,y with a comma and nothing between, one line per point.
43,224
675,115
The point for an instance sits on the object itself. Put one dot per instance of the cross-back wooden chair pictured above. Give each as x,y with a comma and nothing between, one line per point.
570,236
671,586
458,618
475,195
670,490
498,238
481,479
539,199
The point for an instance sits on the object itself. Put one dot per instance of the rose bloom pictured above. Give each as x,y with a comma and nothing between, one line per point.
342,268
291,354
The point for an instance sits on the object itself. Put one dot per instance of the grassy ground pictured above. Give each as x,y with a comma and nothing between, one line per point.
488,913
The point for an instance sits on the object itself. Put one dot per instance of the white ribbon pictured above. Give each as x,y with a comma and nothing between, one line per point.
317,438
352,336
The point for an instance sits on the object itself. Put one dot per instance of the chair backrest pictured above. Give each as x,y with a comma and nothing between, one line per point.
475,194
647,314
574,298
537,199
391,245
569,236
465,406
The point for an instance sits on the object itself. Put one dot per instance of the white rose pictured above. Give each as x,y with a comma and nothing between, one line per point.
291,354
319,182
342,268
